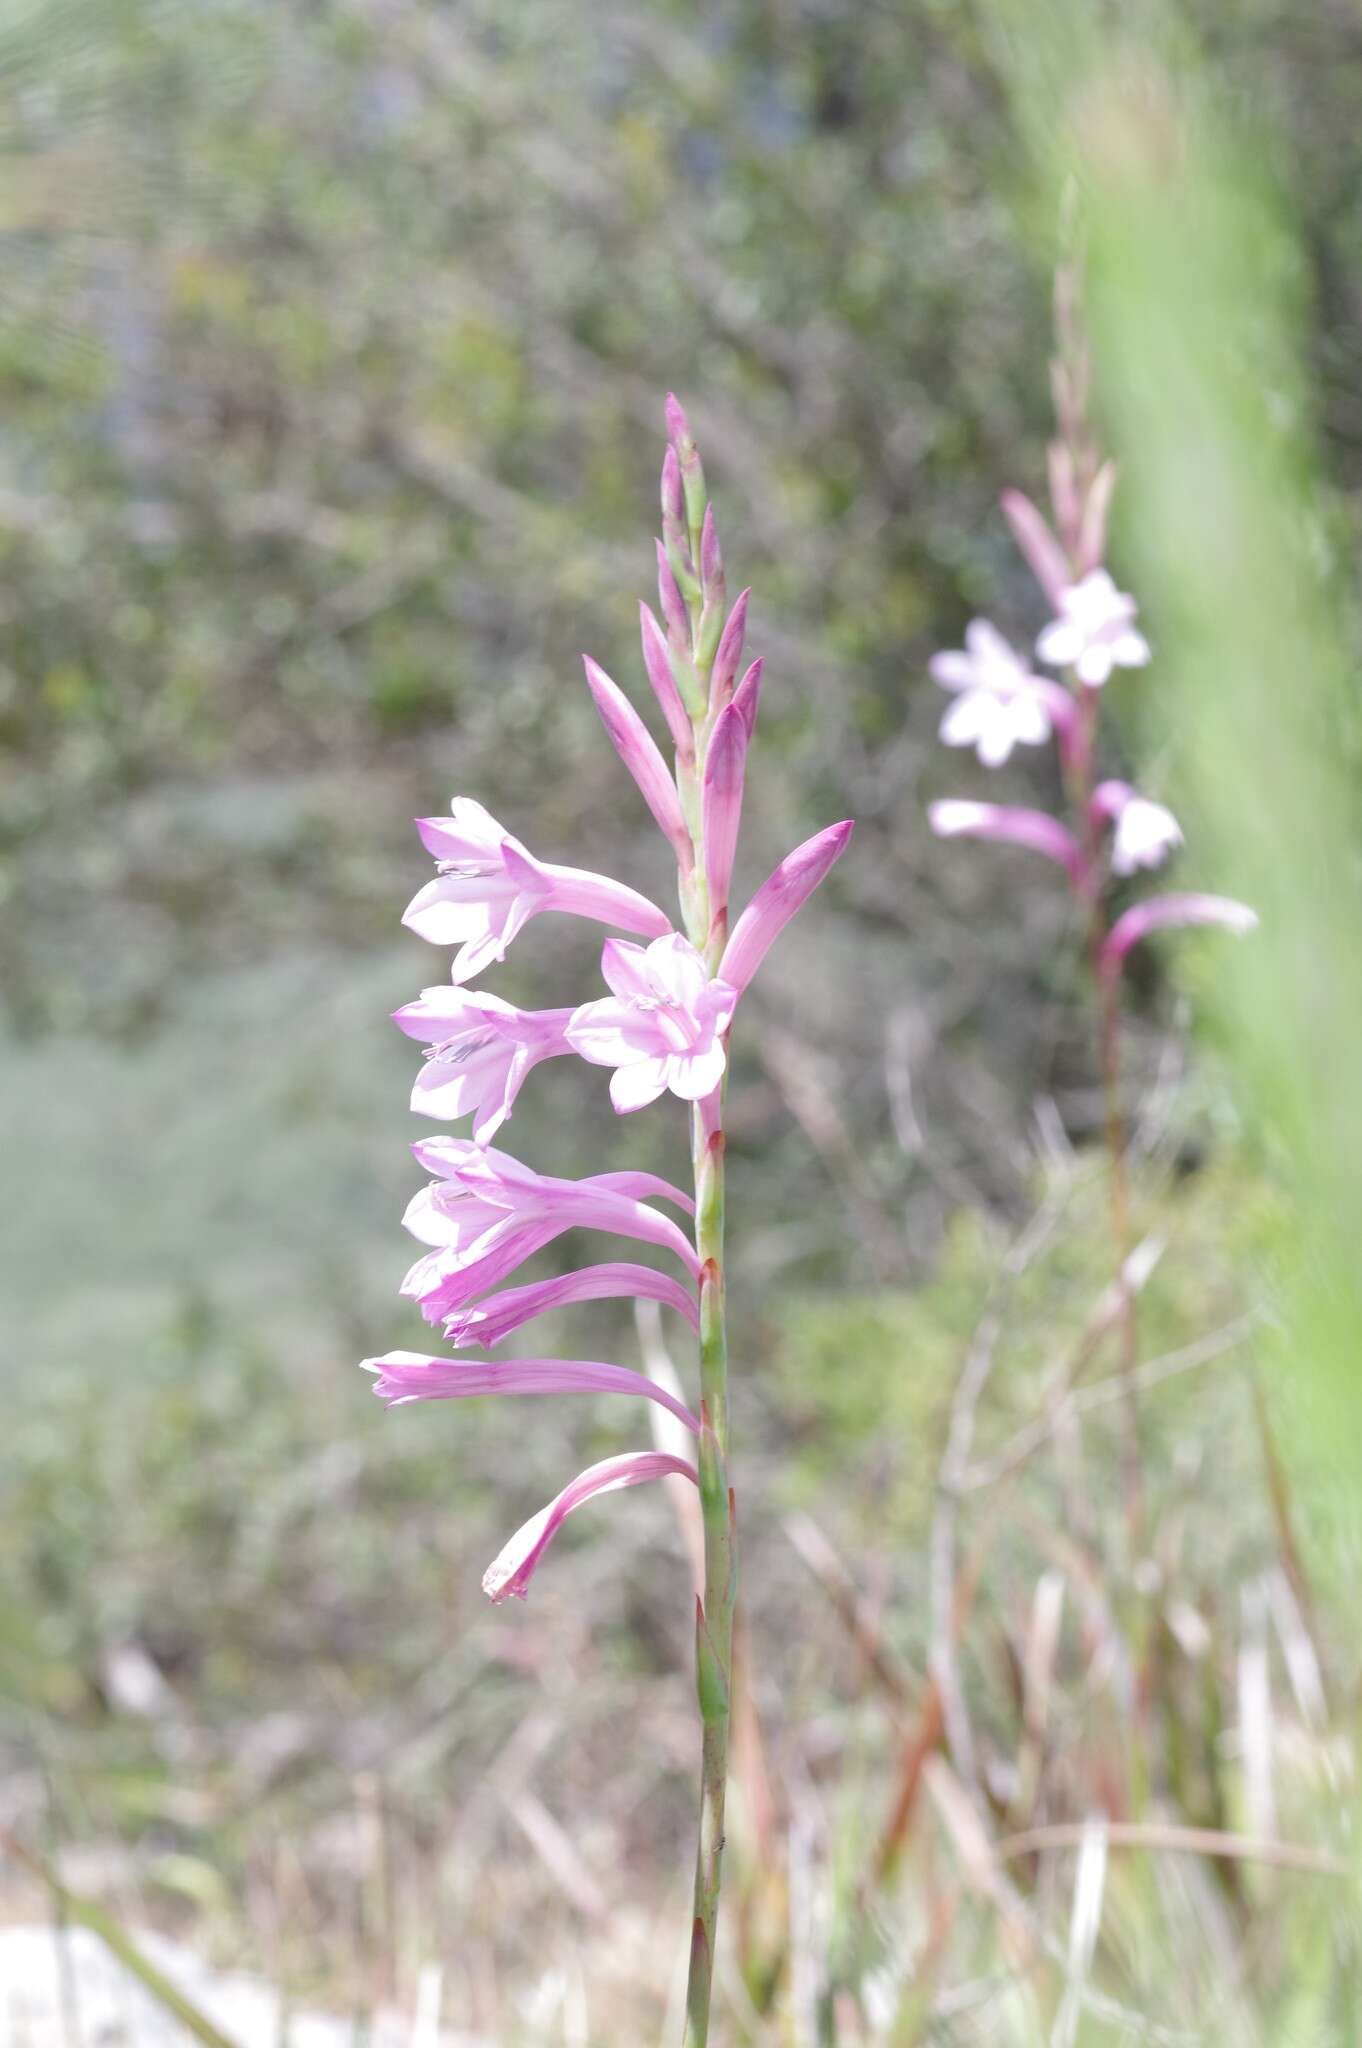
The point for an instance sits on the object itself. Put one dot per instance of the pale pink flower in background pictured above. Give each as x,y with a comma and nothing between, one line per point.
508,1576
961,818
415,1376
489,887
1145,832
663,1025
1095,631
1161,911
479,1051
1000,703
487,1322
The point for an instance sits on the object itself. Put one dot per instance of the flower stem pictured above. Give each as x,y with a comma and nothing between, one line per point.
714,1613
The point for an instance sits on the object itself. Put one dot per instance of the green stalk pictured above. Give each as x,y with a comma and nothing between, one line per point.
714,1613
714,1609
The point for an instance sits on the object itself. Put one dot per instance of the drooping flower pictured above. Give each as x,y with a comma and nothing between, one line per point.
489,1321
508,1576
1000,703
415,1376
489,887
488,1213
959,817
1095,631
1159,912
662,1026
480,1050
1145,832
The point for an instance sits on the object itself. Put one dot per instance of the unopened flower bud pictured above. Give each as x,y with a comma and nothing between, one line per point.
711,560
673,606
688,456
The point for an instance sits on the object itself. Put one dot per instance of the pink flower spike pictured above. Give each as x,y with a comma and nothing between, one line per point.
662,1026
489,888
1000,703
657,661
956,817
728,653
415,1376
747,694
721,803
488,1322
1146,832
1160,911
1094,631
480,1050
1042,552
636,748
783,892
509,1575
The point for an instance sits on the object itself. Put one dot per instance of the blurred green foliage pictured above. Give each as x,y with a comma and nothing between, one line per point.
332,345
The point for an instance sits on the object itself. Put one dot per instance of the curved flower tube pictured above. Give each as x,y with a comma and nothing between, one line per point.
1161,911
488,1322
957,817
489,887
415,1376
487,1214
508,1576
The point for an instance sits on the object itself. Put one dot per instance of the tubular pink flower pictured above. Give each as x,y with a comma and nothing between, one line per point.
728,654
748,694
657,661
488,1322
489,888
662,1027
1094,631
785,890
957,817
721,802
1042,552
508,1576
1137,923
635,746
416,1376
479,1051
1001,704
1146,832
488,1214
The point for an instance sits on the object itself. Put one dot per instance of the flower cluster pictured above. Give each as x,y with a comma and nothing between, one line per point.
998,702
663,1027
